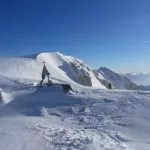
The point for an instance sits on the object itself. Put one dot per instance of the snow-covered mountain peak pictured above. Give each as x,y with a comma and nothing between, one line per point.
117,80
85,118
61,68
74,68
106,71
56,58
65,69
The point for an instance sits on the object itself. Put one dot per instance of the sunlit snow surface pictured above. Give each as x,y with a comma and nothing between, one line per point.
88,118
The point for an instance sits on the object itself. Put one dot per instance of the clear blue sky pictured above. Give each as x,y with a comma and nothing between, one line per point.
111,33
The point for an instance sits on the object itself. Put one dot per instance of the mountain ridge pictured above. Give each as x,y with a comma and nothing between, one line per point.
63,69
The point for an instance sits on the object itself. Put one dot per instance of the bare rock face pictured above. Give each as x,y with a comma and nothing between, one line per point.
105,82
82,73
1,98
85,80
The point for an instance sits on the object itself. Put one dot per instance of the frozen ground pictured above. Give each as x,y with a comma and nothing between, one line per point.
89,118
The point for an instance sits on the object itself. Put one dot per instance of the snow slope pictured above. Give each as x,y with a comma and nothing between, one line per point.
117,80
74,68
89,118
63,68
139,78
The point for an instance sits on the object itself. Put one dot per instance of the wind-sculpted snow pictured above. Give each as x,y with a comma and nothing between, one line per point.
20,68
66,69
87,118
71,68
61,67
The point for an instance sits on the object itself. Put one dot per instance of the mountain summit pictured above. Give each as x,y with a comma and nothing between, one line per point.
62,69
118,81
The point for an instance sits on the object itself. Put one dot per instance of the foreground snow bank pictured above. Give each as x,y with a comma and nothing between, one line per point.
31,104
87,118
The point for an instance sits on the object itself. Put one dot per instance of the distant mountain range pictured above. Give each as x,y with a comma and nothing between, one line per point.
139,78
